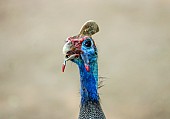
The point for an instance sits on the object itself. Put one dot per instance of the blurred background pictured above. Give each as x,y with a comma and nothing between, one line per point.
134,56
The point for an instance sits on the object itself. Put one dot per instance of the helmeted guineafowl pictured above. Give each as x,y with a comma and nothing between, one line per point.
81,49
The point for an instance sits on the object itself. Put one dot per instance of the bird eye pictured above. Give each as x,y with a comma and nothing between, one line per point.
88,43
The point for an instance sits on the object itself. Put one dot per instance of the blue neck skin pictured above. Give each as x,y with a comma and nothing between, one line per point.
89,82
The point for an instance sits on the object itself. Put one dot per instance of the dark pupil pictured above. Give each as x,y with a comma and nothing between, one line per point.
88,43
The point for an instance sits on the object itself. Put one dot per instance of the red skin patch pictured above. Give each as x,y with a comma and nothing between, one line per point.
87,67
77,42
63,67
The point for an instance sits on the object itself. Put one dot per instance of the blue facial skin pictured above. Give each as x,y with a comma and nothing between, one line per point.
88,80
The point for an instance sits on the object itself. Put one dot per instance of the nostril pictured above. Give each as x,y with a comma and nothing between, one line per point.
67,56
77,56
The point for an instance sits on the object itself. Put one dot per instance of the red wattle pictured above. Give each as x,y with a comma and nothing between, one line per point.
63,67
87,67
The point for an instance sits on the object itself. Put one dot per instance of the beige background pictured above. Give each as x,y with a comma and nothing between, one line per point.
134,56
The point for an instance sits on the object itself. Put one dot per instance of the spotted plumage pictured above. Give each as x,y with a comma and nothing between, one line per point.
91,110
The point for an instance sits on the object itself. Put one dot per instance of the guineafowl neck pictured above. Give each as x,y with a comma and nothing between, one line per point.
90,107
89,83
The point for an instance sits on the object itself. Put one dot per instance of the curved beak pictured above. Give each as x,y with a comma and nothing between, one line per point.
69,52
67,47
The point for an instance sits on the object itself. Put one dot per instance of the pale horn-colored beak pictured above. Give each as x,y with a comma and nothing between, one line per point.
68,47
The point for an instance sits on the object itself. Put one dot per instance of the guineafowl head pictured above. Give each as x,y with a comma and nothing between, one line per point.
81,49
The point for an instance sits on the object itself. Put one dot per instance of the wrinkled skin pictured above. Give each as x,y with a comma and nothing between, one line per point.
80,50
